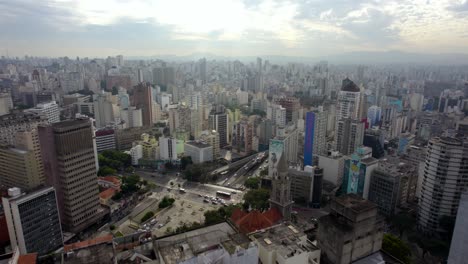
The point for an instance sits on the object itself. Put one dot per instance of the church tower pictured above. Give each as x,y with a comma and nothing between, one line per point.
280,197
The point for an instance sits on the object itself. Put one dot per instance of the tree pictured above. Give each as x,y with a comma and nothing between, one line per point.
403,222
257,199
264,172
252,183
166,202
396,247
147,216
115,90
104,171
213,217
112,227
185,161
117,196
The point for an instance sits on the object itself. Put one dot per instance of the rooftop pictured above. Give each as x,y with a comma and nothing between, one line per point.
285,239
355,202
198,144
97,250
349,86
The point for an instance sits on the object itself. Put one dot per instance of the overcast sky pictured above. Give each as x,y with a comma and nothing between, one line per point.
230,28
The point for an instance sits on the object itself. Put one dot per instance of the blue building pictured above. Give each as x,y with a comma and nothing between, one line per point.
309,138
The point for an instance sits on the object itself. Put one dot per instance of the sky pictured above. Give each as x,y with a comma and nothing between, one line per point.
308,28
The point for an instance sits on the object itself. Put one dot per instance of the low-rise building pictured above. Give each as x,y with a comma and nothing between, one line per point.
112,182
284,244
199,151
105,139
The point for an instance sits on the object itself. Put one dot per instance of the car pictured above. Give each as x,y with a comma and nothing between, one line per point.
206,200
160,225
199,195
214,202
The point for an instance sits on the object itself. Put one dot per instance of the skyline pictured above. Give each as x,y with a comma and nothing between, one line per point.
231,28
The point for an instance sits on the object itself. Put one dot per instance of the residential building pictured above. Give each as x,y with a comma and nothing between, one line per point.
50,111
374,113
179,118
6,103
106,110
168,148
349,135
212,138
458,252
21,164
131,117
445,178
164,76
242,137
70,165
284,243
357,172
136,152
18,121
405,140
218,121
33,220
277,114
348,101
199,151
124,138
351,231
292,105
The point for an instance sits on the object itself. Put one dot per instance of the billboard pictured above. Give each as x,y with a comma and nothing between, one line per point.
276,149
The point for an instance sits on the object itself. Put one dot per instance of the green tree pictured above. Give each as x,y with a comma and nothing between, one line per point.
397,248
404,222
147,216
213,217
112,227
104,171
117,196
252,183
264,172
257,199
166,202
185,161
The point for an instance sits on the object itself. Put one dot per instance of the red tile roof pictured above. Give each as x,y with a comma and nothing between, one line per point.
106,194
255,220
27,258
87,243
112,179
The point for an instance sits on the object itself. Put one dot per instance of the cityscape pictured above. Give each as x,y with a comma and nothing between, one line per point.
298,132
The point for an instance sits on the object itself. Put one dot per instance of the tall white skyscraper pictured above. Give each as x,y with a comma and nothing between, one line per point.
445,177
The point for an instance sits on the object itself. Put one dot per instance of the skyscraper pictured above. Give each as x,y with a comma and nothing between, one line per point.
218,120
49,110
142,99
348,100
315,135
33,220
357,172
458,252
444,178
70,164
374,113
349,135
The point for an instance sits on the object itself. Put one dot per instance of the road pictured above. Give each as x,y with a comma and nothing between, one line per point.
237,179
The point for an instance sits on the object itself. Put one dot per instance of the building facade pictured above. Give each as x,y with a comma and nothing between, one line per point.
199,151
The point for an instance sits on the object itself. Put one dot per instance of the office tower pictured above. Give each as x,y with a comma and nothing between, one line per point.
142,99
33,220
348,101
259,65
374,113
71,81
49,110
21,164
164,76
284,144
445,178
18,121
211,137
69,159
196,122
140,78
362,235
242,137
6,103
203,70
168,148
306,185
199,151
349,135
156,108
458,252
195,100
315,141
374,138
131,117
357,172
218,120
292,106
280,197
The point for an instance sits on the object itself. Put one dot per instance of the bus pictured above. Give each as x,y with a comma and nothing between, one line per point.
182,190
223,195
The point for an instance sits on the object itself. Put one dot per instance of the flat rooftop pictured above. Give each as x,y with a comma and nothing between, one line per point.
198,144
355,202
285,239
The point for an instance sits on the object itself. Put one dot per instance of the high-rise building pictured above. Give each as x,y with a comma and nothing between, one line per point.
6,103
168,148
21,164
179,119
18,121
357,172
284,144
348,101
199,151
218,120
306,185
33,220
69,159
203,70
458,252
351,231
374,114
445,178
242,137
49,110
142,99
280,197
105,139
349,135
292,106
277,114
106,112
315,141
131,117
211,137
164,76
